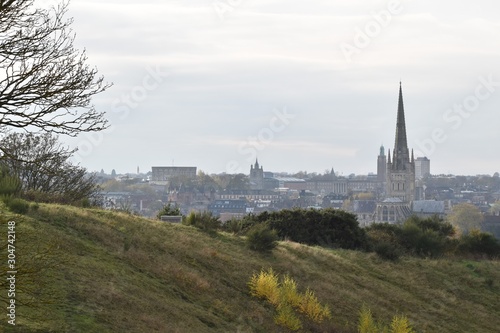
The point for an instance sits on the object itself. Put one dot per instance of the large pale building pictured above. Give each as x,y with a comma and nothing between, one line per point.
164,174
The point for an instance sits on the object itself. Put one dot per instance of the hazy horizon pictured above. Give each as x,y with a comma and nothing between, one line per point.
301,86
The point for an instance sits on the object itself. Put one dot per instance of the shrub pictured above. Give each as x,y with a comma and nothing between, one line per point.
325,227
16,205
286,299
479,243
428,237
202,220
311,307
400,324
265,285
240,226
366,322
286,317
261,238
169,211
387,250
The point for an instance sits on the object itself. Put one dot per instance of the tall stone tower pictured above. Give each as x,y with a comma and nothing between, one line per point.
400,181
382,165
256,176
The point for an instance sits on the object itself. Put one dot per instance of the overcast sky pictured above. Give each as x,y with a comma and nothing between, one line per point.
302,85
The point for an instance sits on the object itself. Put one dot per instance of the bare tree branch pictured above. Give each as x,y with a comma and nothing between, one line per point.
45,82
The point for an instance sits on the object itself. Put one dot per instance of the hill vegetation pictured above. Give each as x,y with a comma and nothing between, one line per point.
89,270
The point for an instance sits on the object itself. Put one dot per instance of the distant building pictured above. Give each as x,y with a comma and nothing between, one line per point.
382,165
256,176
422,167
164,174
219,207
428,208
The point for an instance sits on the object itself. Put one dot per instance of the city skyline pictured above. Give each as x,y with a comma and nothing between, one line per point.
303,87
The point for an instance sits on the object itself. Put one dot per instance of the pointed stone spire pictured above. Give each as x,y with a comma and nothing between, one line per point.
256,163
401,153
388,156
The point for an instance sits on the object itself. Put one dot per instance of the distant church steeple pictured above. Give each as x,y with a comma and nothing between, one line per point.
401,153
400,179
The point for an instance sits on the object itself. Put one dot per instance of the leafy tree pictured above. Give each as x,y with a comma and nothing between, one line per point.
465,217
42,166
45,82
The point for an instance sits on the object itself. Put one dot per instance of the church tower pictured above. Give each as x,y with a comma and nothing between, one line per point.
256,176
400,181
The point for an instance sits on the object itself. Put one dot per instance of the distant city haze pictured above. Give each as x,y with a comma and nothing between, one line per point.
302,86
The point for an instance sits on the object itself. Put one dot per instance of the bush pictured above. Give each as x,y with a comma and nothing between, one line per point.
16,205
240,226
261,238
325,227
202,220
479,243
288,302
168,210
430,237
265,286
387,250
366,323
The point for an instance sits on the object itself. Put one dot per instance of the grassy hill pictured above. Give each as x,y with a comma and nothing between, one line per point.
98,271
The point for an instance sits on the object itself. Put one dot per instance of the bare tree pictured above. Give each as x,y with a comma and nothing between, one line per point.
41,164
45,82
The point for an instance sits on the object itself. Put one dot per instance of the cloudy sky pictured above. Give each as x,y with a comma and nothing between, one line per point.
302,85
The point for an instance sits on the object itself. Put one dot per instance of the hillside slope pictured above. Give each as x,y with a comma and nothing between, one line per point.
98,271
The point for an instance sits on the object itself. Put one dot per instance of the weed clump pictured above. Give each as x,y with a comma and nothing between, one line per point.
288,302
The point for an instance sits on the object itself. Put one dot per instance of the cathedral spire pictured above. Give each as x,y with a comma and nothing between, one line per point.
401,153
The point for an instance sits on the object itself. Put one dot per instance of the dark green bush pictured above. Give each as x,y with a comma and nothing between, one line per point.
423,237
202,220
169,210
325,227
479,243
261,238
387,250
240,226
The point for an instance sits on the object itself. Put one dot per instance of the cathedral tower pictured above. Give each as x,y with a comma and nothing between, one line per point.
400,181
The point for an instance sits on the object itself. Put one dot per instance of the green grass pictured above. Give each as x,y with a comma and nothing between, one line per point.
101,271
